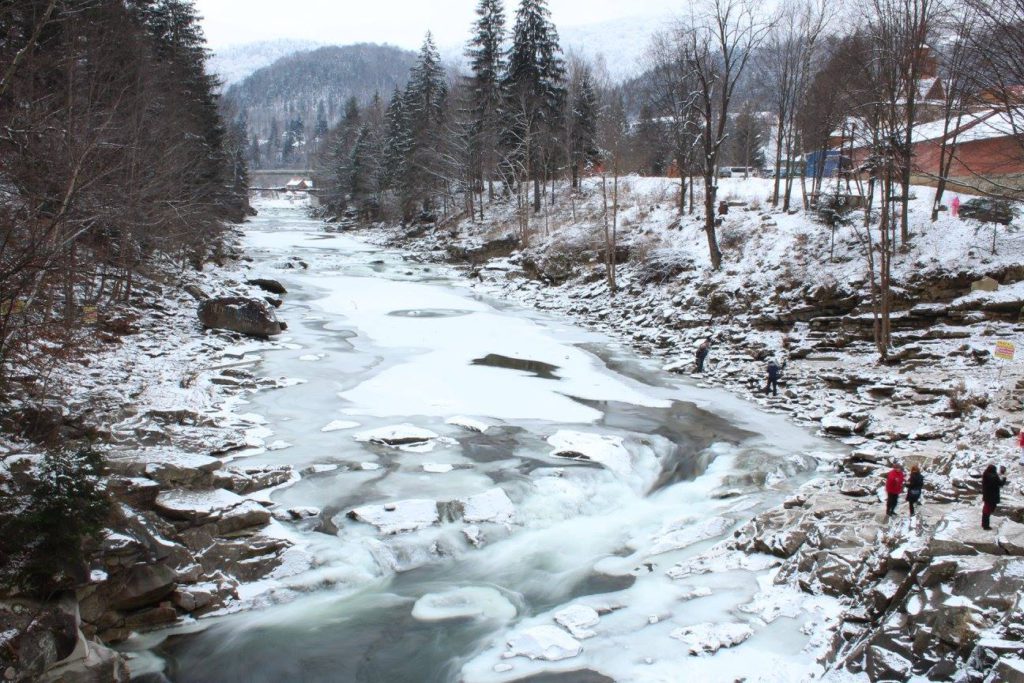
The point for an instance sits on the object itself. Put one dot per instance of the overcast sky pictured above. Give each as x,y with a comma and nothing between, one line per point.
398,22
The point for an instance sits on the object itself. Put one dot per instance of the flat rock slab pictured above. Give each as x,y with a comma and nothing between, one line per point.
167,466
195,506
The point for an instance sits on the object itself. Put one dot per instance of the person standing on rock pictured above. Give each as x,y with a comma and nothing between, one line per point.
893,488
773,378
702,353
991,481
915,486
1020,444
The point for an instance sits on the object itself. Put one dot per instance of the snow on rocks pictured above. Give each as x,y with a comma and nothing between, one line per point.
476,602
437,467
493,506
605,449
400,516
404,436
543,642
577,620
708,638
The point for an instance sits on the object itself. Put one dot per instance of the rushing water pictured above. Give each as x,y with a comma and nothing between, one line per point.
382,341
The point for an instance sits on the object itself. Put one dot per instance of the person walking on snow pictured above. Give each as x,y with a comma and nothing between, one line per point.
702,353
991,482
914,488
893,488
955,205
773,378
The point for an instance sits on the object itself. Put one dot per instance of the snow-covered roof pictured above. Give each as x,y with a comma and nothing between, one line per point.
974,126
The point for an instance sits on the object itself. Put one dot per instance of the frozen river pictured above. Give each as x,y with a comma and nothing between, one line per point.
534,515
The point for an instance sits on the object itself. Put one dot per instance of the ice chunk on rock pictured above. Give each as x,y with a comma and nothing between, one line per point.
336,425
437,467
478,602
492,505
577,619
468,423
689,535
600,448
707,638
544,642
403,515
397,435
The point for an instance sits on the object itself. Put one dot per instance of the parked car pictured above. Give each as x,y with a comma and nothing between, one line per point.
987,210
725,172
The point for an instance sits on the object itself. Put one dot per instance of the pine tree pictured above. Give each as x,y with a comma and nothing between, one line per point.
534,85
486,88
396,143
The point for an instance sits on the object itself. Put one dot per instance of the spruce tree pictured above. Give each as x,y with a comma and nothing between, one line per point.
535,91
487,64
424,103
583,150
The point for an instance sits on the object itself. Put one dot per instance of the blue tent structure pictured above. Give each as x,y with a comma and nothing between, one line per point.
825,163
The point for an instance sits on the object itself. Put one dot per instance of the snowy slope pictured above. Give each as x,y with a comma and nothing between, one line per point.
234,63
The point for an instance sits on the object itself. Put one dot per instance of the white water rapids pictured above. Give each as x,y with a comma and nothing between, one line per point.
538,549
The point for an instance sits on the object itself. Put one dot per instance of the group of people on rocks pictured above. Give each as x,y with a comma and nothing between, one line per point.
773,369
992,481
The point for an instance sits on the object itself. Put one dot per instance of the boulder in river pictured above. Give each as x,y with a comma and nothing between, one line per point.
240,314
272,286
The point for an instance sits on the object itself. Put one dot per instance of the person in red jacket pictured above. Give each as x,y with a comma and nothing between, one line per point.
1020,442
893,487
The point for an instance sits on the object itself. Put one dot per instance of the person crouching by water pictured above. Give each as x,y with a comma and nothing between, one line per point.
773,378
914,488
702,353
991,482
893,488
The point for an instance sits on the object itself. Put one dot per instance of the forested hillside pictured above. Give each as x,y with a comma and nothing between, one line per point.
289,106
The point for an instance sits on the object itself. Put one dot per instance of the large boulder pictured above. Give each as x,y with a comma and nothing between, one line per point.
239,314
142,585
272,286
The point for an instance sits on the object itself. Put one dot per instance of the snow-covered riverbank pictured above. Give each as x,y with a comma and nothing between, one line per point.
946,404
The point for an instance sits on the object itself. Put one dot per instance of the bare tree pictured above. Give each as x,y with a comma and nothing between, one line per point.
788,61
718,42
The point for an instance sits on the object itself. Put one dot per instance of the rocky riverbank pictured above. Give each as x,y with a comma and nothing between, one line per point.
933,595
161,397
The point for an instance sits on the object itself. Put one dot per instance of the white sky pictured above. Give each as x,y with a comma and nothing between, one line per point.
398,22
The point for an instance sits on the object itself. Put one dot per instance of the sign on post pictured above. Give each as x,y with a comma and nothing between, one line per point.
1005,350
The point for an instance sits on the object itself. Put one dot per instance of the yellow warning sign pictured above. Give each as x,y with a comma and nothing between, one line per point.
1005,350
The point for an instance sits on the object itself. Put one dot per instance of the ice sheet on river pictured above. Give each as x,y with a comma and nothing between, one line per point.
440,379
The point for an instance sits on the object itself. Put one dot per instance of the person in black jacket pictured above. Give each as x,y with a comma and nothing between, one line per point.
702,353
915,486
991,482
773,378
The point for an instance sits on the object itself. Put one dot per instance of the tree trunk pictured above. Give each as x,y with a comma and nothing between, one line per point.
710,192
